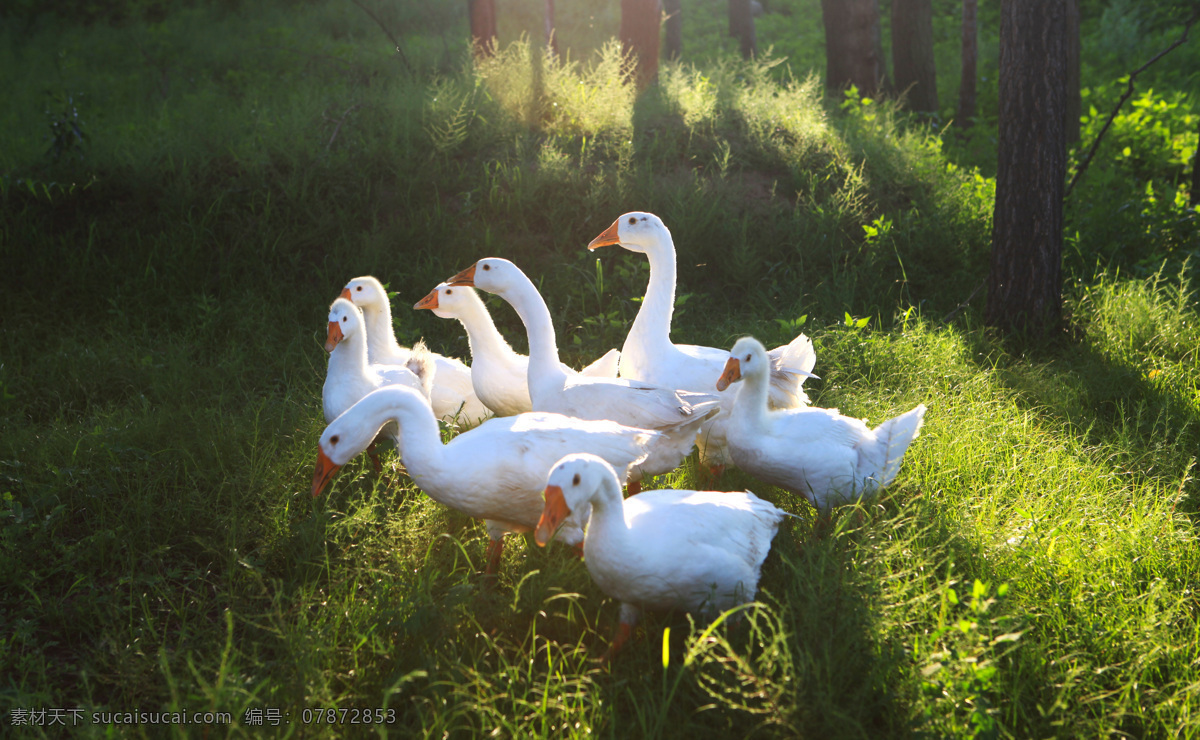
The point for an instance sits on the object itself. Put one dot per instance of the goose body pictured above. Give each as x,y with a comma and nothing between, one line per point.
494,472
700,551
649,354
499,376
452,396
678,414
829,458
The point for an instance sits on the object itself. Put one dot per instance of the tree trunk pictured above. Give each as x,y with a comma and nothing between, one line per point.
639,37
852,45
912,53
673,9
1074,101
1025,282
966,89
551,39
483,26
1195,199
741,27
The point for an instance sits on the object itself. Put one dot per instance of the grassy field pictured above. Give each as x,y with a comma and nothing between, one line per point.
1032,573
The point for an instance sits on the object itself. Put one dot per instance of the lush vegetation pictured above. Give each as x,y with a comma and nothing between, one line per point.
183,189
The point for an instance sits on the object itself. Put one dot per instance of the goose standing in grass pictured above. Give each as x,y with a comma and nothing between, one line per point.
695,550
651,356
828,458
498,374
679,414
350,376
453,396
495,472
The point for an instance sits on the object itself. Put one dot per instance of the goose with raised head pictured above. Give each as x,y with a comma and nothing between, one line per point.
700,551
495,472
453,396
649,354
498,374
828,458
678,414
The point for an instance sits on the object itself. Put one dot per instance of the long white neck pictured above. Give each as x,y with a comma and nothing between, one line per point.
381,338
546,373
350,356
607,522
750,405
419,442
650,334
483,337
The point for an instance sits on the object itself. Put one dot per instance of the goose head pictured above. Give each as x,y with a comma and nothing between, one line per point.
748,358
572,484
493,274
366,292
345,321
449,301
637,231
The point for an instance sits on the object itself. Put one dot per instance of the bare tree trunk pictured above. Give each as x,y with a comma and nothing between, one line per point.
1195,199
741,27
639,37
551,39
1025,282
483,26
912,53
673,9
1074,101
852,45
966,89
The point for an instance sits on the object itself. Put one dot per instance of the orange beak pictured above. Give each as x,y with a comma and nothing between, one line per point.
553,514
324,472
429,301
345,294
466,277
607,238
732,374
333,336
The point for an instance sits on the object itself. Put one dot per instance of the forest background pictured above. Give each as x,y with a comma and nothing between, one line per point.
185,186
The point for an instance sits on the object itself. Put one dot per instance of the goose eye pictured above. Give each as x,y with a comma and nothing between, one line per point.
487,267
359,289
575,480
333,440
632,220
344,318
449,291
747,358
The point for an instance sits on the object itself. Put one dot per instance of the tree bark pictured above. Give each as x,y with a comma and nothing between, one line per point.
741,27
912,53
1074,100
852,45
966,89
482,14
1025,282
639,37
673,37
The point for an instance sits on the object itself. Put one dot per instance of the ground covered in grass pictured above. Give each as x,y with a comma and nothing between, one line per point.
1032,572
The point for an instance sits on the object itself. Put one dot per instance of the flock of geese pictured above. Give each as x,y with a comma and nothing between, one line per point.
550,447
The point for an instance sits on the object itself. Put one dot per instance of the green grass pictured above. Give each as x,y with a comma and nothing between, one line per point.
1032,572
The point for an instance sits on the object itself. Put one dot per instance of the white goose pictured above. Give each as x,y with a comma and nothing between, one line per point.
495,472
650,355
453,397
679,414
828,458
694,550
498,374
350,376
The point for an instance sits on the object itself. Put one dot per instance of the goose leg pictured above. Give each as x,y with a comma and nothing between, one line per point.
629,618
494,549
633,488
